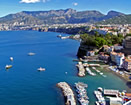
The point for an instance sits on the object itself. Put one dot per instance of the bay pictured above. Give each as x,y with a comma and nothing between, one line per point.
24,85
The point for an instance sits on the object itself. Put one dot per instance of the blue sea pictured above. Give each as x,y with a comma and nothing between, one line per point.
24,85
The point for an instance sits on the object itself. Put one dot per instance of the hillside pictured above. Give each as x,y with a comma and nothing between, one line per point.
124,19
58,17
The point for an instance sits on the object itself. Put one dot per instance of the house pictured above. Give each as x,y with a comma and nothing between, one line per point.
118,47
103,56
117,58
127,64
90,53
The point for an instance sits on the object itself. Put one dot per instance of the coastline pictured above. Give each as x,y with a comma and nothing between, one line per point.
123,77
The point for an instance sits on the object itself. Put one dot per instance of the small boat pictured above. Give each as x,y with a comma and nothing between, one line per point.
101,73
41,69
8,66
11,58
65,72
59,36
97,103
31,54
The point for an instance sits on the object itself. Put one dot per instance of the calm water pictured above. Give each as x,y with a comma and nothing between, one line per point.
24,85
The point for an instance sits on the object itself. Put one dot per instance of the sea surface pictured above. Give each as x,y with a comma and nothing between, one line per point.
24,85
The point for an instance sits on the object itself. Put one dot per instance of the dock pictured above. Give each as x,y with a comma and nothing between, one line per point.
109,92
81,69
68,93
81,93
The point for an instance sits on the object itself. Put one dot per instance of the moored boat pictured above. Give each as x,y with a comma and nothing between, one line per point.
82,94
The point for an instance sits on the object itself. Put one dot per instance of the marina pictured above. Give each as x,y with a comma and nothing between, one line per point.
82,94
100,98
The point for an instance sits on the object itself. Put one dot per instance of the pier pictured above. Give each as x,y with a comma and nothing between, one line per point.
68,93
81,69
81,93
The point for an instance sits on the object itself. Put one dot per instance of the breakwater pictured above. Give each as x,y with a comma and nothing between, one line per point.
68,93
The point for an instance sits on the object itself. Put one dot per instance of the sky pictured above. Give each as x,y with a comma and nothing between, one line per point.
104,6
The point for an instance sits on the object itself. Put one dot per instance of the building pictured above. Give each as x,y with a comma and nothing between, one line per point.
117,58
90,53
127,64
118,47
103,56
127,45
127,42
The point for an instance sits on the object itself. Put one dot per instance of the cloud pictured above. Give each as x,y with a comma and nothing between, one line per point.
45,1
75,4
29,1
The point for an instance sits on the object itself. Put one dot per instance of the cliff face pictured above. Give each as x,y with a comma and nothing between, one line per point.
83,49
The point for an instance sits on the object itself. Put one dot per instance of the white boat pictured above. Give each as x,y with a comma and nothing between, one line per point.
11,58
8,66
59,36
94,68
101,73
97,71
90,72
104,75
41,69
31,53
97,103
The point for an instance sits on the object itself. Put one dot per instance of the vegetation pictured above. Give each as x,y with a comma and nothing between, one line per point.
98,40
124,19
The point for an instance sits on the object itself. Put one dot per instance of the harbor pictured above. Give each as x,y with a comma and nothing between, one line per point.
24,85
81,93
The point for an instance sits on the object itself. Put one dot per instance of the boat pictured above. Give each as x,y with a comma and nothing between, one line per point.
59,36
11,59
104,75
97,71
8,66
101,73
90,72
41,69
31,53
97,103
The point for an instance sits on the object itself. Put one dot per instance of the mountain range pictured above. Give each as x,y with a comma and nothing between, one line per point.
62,16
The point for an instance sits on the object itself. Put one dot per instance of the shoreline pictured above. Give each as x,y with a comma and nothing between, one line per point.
123,77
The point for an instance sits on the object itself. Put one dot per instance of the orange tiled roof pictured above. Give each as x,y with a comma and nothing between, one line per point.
128,94
127,60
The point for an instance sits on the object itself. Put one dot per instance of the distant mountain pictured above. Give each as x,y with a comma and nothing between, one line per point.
124,19
57,17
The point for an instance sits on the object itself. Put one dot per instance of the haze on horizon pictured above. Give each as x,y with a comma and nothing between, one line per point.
104,6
